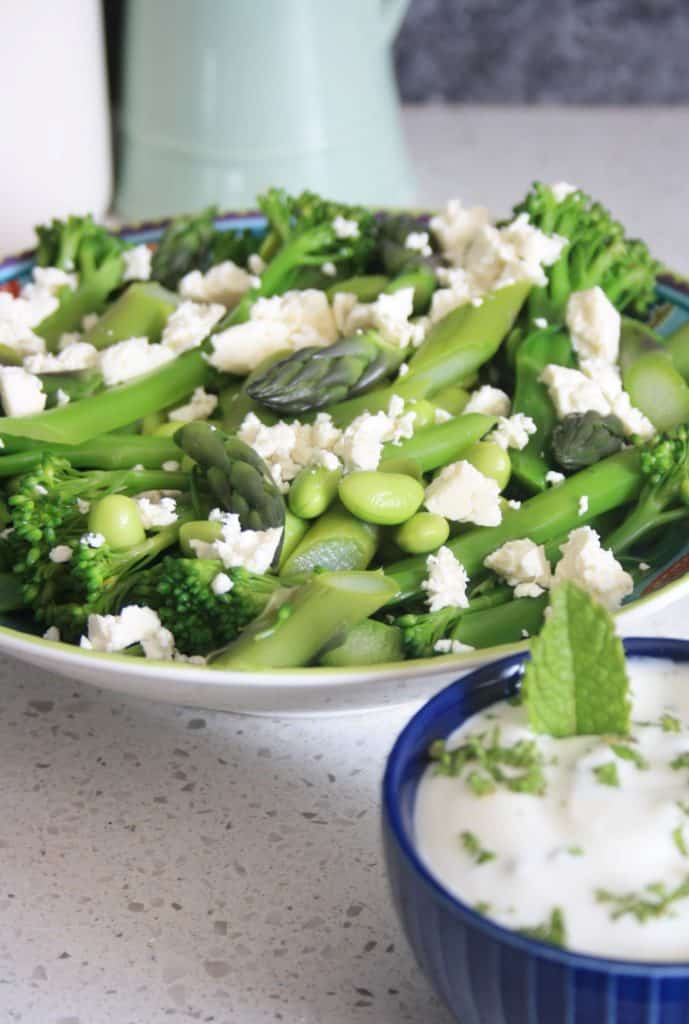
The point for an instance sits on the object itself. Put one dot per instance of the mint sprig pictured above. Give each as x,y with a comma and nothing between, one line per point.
576,682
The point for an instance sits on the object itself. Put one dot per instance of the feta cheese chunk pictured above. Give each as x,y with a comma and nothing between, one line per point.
21,392
78,355
593,568
225,282
52,633
554,478
137,263
252,549
60,553
448,646
136,624
17,316
462,494
593,324
361,446
155,514
523,565
388,314
457,289
199,407
597,385
132,358
288,447
418,241
446,582
498,257
456,226
488,401
240,349
345,228
221,584
561,189
189,324
583,506
513,431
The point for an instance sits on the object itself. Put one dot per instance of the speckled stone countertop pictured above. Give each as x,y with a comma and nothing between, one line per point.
164,864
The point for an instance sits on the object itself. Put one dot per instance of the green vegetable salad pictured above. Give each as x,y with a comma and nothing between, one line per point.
344,440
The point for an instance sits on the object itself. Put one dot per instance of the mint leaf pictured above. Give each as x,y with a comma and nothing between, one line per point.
607,774
576,681
472,845
553,930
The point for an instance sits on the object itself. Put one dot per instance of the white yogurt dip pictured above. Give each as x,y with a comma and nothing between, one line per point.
611,860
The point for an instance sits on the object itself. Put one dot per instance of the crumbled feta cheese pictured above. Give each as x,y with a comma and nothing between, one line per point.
329,269
462,494
89,320
68,338
512,503
221,584
456,227
135,624
583,506
345,228
418,241
523,565
593,324
83,506
2,443
447,646
362,442
540,322
561,190
513,431
50,279
554,478
225,283
155,514
442,416
593,568
389,314
60,553
21,392
137,263
52,633
488,401
189,324
17,317
518,251
256,264
597,385
138,467
288,447
446,582
403,370
170,466
252,549
92,540
132,358
458,288
644,566
200,407
78,355
525,634
291,321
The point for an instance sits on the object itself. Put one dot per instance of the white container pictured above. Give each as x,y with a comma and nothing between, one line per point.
55,153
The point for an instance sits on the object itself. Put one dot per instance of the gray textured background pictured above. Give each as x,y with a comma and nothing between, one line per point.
545,51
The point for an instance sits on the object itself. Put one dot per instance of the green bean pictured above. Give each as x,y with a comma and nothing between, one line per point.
313,490
292,633
118,519
455,346
424,412
657,389
503,624
141,310
409,467
366,287
607,484
531,397
336,541
453,399
422,279
368,643
198,529
424,532
294,530
382,498
442,443
491,459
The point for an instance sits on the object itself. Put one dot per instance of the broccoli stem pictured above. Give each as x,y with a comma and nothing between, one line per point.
607,484
292,634
74,306
648,515
114,408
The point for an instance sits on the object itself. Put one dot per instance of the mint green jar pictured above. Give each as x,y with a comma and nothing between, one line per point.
222,98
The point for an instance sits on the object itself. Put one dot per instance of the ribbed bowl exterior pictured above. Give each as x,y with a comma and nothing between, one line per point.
484,973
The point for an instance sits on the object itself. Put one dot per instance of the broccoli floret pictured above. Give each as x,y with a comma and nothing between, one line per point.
664,496
179,589
421,631
79,244
184,246
598,253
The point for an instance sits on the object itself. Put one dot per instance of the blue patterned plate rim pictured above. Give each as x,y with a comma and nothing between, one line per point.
509,670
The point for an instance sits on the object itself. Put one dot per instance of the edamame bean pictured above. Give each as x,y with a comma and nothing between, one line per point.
491,459
116,517
383,498
198,529
313,490
424,532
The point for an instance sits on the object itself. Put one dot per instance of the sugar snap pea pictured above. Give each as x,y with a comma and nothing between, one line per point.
313,489
658,390
435,446
336,541
368,643
383,498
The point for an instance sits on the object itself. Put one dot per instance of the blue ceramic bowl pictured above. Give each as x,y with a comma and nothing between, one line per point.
485,973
